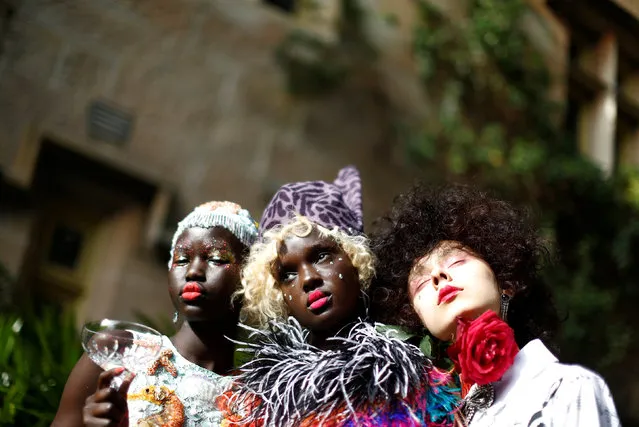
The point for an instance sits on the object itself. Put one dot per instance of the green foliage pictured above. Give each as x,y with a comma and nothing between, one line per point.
242,354
37,352
394,331
628,181
495,128
391,19
5,287
431,348
426,346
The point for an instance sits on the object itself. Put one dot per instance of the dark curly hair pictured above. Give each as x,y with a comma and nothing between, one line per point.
493,229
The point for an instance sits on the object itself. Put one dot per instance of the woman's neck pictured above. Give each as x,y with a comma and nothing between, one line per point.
206,344
319,338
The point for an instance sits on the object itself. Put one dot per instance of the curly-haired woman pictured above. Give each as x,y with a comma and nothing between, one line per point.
453,252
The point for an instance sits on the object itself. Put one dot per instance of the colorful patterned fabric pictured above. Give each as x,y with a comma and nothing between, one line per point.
337,204
174,392
365,378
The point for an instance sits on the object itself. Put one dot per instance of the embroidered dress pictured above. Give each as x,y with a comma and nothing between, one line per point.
174,392
365,378
538,391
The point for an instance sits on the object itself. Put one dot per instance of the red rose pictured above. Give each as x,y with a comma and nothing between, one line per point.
484,349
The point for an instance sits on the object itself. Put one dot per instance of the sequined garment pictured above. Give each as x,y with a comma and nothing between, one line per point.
157,397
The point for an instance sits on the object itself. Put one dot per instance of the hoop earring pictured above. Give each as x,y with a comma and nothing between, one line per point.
504,303
176,317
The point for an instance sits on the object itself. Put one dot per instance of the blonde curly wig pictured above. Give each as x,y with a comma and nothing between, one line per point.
262,300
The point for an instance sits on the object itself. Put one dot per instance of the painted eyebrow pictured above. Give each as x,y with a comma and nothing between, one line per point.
221,249
446,252
216,244
324,245
187,247
449,251
439,256
419,268
182,249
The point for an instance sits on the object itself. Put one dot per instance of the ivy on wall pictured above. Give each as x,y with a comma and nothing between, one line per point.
492,124
490,87
496,126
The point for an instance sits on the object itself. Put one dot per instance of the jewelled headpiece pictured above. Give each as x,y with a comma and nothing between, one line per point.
219,214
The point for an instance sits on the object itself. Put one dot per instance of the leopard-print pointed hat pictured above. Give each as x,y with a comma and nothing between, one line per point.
336,204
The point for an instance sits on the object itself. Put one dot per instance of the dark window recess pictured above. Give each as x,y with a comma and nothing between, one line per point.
7,12
108,123
66,245
285,5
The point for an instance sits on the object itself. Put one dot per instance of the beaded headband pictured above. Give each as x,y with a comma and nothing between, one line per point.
228,215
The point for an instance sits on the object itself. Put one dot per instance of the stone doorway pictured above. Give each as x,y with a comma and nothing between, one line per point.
89,217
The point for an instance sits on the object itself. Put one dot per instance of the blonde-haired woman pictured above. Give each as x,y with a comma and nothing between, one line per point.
324,366
273,288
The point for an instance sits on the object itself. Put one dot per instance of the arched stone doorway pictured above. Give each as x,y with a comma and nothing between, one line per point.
89,229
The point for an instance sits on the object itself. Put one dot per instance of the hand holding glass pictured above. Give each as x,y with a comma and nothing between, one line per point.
114,343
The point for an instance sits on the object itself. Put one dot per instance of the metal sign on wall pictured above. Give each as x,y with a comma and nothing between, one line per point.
109,123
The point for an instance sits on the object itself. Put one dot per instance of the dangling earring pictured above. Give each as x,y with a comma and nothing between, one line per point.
176,316
504,302
365,301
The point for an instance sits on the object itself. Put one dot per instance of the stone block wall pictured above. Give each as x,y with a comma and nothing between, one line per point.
212,119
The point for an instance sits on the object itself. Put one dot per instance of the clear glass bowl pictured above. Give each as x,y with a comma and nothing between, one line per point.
116,343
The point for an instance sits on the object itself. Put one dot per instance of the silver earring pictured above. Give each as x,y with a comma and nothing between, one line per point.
504,302
176,316
366,300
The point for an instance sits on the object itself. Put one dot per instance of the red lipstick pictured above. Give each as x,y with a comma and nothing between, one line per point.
447,294
191,291
318,299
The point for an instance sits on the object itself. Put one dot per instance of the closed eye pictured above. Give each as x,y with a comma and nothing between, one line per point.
418,284
221,257
457,262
